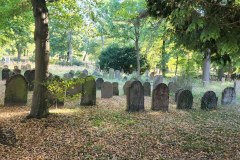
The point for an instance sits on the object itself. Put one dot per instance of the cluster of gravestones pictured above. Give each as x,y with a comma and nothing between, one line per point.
108,89
7,73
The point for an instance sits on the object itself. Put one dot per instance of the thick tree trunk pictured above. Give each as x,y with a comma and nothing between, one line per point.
206,68
176,67
70,47
137,36
163,62
19,50
39,106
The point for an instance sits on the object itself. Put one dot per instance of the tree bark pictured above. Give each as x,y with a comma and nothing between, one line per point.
19,50
176,68
70,47
137,50
39,108
163,62
206,68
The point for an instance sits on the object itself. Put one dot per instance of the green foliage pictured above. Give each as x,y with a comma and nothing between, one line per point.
121,58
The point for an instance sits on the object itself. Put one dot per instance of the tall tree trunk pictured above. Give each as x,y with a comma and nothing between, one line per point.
137,36
70,47
176,67
19,51
39,106
206,67
163,62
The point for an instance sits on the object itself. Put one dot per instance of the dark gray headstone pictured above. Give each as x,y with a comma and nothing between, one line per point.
30,79
5,73
228,96
176,94
107,90
160,97
88,97
85,72
184,99
115,89
99,83
209,100
147,89
135,96
16,91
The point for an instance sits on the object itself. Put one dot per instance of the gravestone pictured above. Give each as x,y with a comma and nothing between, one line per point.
117,74
157,80
115,89
75,88
85,71
105,74
172,87
184,99
147,89
111,73
68,75
88,97
135,96
209,100
160,97
107,90
125,87
16,70
26,73
5,73
99,83
30,77
237,86
228,96
16,91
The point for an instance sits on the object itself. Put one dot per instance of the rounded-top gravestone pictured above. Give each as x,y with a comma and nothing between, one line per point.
184,99
209,100
176,94
99,83
107,90
135,96
111,73
16,91
228,96
160,97
115,89
147,89
88,97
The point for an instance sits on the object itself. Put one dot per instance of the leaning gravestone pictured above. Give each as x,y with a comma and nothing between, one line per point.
160,97
111,73
147,89
184,99
157,80
115,89
107,90
5,73
88,97
125,87
209,100
135,96
16,91
99,83
228,96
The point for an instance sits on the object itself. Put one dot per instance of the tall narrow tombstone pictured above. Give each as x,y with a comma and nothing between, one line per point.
5,73
99,83
135,97
209,100
228,96
111,73
157,80
115,89
160,97
147,89
117,74
88,97
16,91
125,87
184,99
107,90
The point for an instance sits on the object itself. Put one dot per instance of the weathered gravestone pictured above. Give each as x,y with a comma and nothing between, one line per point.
160,97
117,74
16,91
209,100
176,94
111,73
107,90
88,97
125,86
5,73
184,99
68,75
157,80
30,77
99,83
115,89
16,70
85,71
237,86
105,74
228,96
75,88
147,89
135,96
